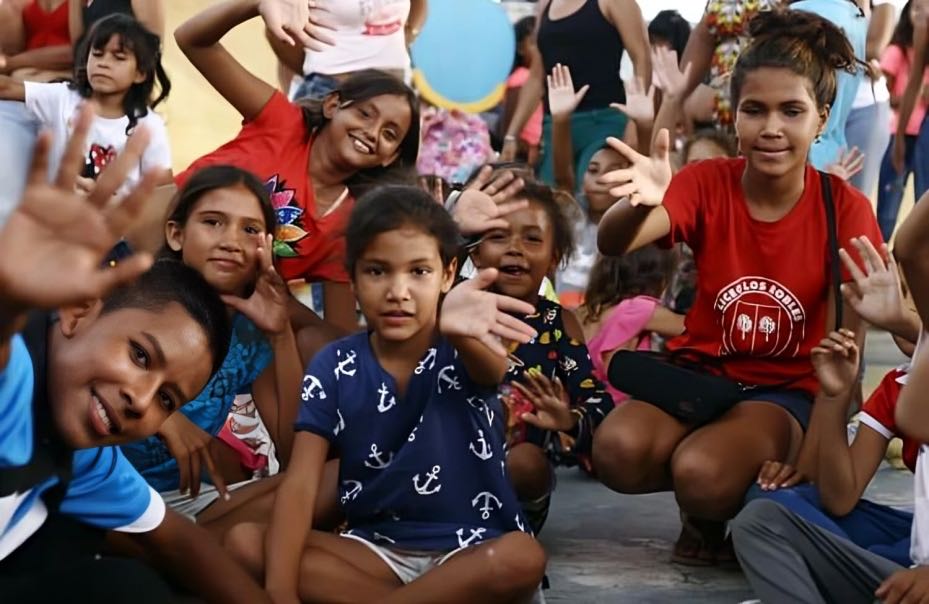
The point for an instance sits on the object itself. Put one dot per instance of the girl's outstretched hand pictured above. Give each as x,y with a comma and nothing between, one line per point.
667,73
562,98
848,164
471,312
876,294
484,203
552,407
647,178
640,105
835,360
297,21
53,245
267,306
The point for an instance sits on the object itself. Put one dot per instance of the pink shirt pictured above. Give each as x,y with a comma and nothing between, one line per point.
532,131
896,64
624,322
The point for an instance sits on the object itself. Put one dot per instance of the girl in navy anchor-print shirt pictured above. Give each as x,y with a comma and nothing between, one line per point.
411,406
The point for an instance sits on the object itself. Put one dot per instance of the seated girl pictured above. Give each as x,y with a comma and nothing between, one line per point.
430,513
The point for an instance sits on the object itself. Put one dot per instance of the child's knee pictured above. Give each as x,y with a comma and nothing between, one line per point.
517,564
704,482
530,471
622,457
245,543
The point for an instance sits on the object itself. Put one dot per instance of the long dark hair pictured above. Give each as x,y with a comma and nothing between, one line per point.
644,272
361,86
212,178
134,38
523,28
903,33
802,42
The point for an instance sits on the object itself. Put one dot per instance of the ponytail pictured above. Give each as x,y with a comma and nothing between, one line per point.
802,42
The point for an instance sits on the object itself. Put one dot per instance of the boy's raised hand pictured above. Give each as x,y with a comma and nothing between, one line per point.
471,312
877,294
53,245
484,203
562,98
297,21
267,306
647,178
835,360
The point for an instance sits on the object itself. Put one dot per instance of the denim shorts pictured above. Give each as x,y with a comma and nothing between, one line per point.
799,403
316,86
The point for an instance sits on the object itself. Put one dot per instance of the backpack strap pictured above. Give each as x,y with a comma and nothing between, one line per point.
833,232
50,457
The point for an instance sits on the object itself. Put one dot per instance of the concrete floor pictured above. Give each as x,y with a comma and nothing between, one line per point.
605,547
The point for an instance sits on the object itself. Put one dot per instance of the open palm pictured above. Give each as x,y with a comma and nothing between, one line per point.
267,306
562,98
647,178
877,295
470,311
640,105
667,73
53,245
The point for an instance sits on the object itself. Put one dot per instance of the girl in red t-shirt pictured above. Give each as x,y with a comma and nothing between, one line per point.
314,158
757,225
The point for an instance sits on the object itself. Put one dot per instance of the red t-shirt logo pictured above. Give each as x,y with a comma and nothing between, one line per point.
760,317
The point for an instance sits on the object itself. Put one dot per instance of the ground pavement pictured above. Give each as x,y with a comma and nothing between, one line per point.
604,547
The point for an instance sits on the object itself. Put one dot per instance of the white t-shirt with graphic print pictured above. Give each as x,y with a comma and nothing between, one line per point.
55,105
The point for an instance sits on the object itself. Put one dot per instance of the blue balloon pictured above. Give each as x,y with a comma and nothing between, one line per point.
464,54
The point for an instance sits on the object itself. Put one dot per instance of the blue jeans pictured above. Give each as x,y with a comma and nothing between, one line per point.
19,130
880,529
315,87
892,185
868,128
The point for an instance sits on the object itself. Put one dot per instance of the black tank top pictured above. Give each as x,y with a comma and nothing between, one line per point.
591,48
97,9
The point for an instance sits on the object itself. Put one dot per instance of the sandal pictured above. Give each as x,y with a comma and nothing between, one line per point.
699,543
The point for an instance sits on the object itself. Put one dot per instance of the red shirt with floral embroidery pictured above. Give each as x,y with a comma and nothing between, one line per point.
275,147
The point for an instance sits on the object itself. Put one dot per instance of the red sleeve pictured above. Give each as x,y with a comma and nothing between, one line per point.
892,60
878,410
855,219
683,201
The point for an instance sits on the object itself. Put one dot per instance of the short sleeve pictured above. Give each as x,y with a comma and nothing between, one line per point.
107,492
892,60
878,411
855,219
158,152
319,397
49,102
16,389
683,203
277,113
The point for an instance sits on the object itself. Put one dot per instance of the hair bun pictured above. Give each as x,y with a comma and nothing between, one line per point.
820,36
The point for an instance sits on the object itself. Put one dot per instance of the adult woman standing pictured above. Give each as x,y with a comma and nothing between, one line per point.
589,37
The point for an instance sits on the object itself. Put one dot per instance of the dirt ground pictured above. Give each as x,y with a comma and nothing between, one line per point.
199,119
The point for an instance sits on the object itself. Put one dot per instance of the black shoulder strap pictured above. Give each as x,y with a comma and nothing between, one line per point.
50,457
833,232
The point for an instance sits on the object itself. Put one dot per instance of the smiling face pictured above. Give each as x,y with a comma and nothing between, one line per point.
366,133
777,120
112,69
398,281
114,378
523,252
221,237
